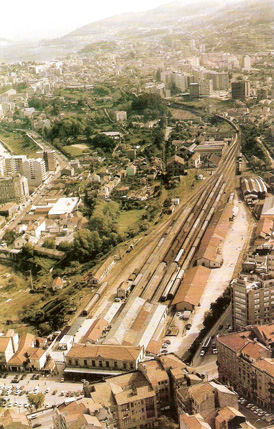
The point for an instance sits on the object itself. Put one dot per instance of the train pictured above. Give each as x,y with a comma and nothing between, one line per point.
94,299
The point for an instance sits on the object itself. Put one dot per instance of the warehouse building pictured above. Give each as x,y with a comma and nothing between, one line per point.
190,292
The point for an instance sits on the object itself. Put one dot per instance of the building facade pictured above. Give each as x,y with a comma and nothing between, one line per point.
240,90
252,301
245,362
35,171
13,188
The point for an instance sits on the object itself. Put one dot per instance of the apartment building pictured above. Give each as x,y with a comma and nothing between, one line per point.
158,380
240,90
129,398
35,171
245,362
14,164
252,301
13,188
49,157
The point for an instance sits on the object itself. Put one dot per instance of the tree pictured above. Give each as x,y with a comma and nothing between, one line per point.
104,142
49,243
9,236
86,245
36,401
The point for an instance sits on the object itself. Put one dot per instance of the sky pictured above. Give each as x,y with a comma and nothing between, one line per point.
40,19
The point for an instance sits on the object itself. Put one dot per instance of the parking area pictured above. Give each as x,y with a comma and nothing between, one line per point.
257,416
14,389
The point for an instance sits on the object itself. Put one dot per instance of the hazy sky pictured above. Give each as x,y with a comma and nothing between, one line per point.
36,19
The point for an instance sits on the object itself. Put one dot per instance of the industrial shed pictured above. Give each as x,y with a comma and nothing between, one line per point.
209,253
191,289
253,188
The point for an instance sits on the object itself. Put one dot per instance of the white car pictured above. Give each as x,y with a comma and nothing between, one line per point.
202,353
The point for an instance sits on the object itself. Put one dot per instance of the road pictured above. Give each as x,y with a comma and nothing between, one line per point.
36,195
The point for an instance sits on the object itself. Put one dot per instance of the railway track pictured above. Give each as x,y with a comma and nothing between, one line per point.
160,275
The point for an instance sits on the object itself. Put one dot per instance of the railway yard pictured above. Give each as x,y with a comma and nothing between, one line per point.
154,270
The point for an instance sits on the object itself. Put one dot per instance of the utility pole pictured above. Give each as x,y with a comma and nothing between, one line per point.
31,283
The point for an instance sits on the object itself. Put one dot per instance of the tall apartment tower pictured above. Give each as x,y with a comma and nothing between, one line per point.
50,160
2,166
252,302
14,164
240,90
35,171
194,90
14,188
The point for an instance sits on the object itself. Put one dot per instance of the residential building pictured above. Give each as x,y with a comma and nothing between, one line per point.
175,166
240,90
193,422
245,362
83,413
8,346
194,90
35,171
50,160
14,164
195,161
159,381
252,301
14,188
28,356
206,87
14,420
121,116
130,399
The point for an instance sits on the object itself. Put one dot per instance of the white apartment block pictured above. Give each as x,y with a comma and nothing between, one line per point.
252,302
35,171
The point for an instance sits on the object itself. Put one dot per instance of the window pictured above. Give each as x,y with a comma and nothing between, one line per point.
115,364
124,365
85,362
107,364
100,363
76,362
70,361
93,362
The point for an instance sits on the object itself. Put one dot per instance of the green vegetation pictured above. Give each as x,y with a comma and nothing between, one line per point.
149,105
100,46
129,220
72,151
36,401
254,151
18,143
217,308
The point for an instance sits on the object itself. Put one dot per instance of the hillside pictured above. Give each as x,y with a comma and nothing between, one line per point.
201,19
